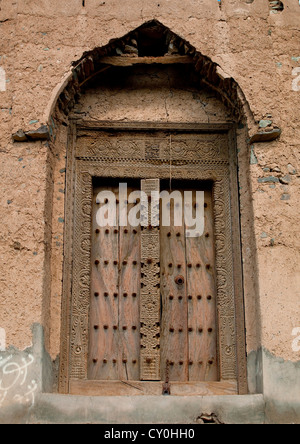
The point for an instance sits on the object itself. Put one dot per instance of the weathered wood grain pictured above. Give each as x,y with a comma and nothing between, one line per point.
202,300
129,302
130,61
140,388
104,307
174,341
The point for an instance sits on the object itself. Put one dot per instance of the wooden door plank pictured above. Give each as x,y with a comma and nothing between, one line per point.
115,388
141,388
202,299
174,340
204,388
129,312
103,339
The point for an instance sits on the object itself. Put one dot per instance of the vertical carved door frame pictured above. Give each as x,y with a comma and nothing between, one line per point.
209,154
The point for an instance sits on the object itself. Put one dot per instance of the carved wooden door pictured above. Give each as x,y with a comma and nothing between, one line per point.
153,295
148,303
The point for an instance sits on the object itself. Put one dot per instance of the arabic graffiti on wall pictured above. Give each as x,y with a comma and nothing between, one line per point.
16,385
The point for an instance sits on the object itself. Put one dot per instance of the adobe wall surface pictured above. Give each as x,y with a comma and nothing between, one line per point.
260,49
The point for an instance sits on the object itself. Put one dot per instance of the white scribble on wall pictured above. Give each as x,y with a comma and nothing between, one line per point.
2,80
14,384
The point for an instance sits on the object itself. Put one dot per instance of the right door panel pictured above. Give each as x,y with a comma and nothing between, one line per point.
188,288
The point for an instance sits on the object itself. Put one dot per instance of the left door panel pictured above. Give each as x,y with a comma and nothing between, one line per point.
114,341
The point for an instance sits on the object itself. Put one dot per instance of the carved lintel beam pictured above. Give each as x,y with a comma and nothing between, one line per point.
130,61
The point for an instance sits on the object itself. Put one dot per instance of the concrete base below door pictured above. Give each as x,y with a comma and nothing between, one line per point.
29,378
53,409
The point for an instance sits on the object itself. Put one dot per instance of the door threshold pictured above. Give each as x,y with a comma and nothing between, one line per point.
150,388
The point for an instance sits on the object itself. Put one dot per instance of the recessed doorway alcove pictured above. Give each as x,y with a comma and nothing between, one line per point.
150,110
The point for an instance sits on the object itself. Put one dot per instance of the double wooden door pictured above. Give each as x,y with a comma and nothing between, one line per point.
183,336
